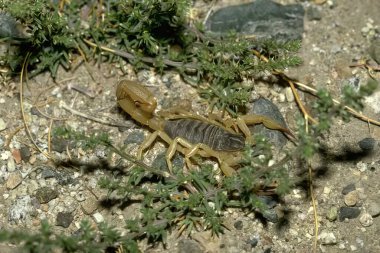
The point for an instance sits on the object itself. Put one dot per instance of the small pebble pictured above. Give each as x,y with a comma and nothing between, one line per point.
327,238
11,165
289,94
367,144
90,205
25,153
14,180
362,166
3,125
332,215
64,219
351,198
348,188
253,242
47,173
374,209
46,194
366,220
98,217
348,213
80,196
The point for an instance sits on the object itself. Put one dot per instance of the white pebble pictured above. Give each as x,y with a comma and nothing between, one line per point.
98,217
366,220
327,238
289,94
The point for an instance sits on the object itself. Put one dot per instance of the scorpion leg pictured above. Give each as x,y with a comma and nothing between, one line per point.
173,147
206,151
201,149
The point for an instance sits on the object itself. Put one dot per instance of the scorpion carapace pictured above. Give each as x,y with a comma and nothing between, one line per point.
196,131
187,132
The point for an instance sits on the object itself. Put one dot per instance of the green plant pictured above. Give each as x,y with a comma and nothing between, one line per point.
146,33
157,33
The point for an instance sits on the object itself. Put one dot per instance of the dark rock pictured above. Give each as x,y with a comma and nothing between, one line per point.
348,213
34,111
46,194
160,161
348,188
25,153
367,144
238,225
253,242
266,108
270,215
374,50
354,82
189,246
64,219
268,250
263,18
65,179
135,137
313,13
48,173
59,145
269,201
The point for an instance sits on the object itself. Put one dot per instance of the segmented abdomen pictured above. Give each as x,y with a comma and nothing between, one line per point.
196,131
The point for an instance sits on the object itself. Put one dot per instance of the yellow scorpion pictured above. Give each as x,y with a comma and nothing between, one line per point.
190,133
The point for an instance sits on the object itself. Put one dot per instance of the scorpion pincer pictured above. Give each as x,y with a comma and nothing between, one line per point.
189,133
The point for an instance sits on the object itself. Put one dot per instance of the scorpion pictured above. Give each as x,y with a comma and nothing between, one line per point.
187,132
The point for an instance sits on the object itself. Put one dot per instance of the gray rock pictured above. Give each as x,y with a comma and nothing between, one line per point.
64,219
374,50
160,161
65,179
314,13
59,145
266,108
238,225
263,18
189,246
20,209
25,153
253,242
270,215
135,137
46,194
367,144
348,213
47,173
348,188
374,209
10,28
